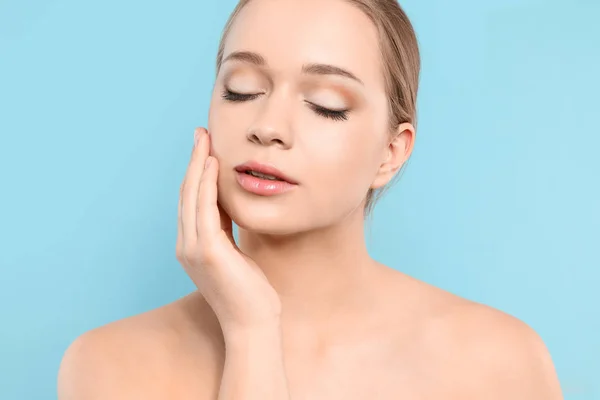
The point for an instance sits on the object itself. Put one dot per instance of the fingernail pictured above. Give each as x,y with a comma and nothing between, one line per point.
207,163
196,137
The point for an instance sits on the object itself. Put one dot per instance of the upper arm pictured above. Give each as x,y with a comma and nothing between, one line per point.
83,372
70,383
524,367
509,359
98,366
154,355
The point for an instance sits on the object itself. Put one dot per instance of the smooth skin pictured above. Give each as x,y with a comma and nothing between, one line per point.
297,309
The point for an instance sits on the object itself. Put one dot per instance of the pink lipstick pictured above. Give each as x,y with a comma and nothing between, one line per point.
263,179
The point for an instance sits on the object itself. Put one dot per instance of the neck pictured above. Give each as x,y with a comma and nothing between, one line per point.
317,274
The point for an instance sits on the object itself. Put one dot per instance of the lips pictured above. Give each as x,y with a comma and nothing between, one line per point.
264,169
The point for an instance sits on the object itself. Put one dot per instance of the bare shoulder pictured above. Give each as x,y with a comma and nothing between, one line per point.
514,360
162,352
492,354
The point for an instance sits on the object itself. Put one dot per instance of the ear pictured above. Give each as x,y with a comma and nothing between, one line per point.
395,154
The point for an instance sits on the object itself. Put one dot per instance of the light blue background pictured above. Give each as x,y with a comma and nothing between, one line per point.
98,101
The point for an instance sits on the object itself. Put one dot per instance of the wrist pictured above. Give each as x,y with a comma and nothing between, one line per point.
268,331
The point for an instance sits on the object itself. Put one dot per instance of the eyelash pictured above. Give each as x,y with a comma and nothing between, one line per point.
336,115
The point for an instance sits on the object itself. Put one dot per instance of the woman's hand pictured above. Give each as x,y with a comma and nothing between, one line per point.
232,284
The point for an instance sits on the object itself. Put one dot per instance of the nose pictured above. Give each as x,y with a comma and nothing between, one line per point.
272,126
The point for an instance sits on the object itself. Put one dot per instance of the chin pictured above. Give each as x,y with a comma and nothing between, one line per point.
266,215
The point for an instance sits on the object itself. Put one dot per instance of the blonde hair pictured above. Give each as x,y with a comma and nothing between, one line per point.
401,64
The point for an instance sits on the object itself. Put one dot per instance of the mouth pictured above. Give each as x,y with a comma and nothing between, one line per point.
264,172
263,180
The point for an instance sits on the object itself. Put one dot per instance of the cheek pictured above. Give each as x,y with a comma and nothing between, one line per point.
344,165
222,129
348,151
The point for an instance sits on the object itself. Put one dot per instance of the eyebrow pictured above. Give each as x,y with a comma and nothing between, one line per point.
313,69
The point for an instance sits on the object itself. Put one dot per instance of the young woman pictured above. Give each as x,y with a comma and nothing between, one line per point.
312,115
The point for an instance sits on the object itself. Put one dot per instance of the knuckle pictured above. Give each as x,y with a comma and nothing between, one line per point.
179,253
191,254
208,250
199,252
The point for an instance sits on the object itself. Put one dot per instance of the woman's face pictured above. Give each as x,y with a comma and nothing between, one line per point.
301,89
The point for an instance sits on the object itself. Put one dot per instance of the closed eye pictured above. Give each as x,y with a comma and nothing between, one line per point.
336,115
233,96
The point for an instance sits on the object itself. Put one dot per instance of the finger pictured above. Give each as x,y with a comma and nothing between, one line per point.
208,219
179,243
226,223
190,188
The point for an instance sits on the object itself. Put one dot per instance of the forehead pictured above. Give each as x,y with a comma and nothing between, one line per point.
290,33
